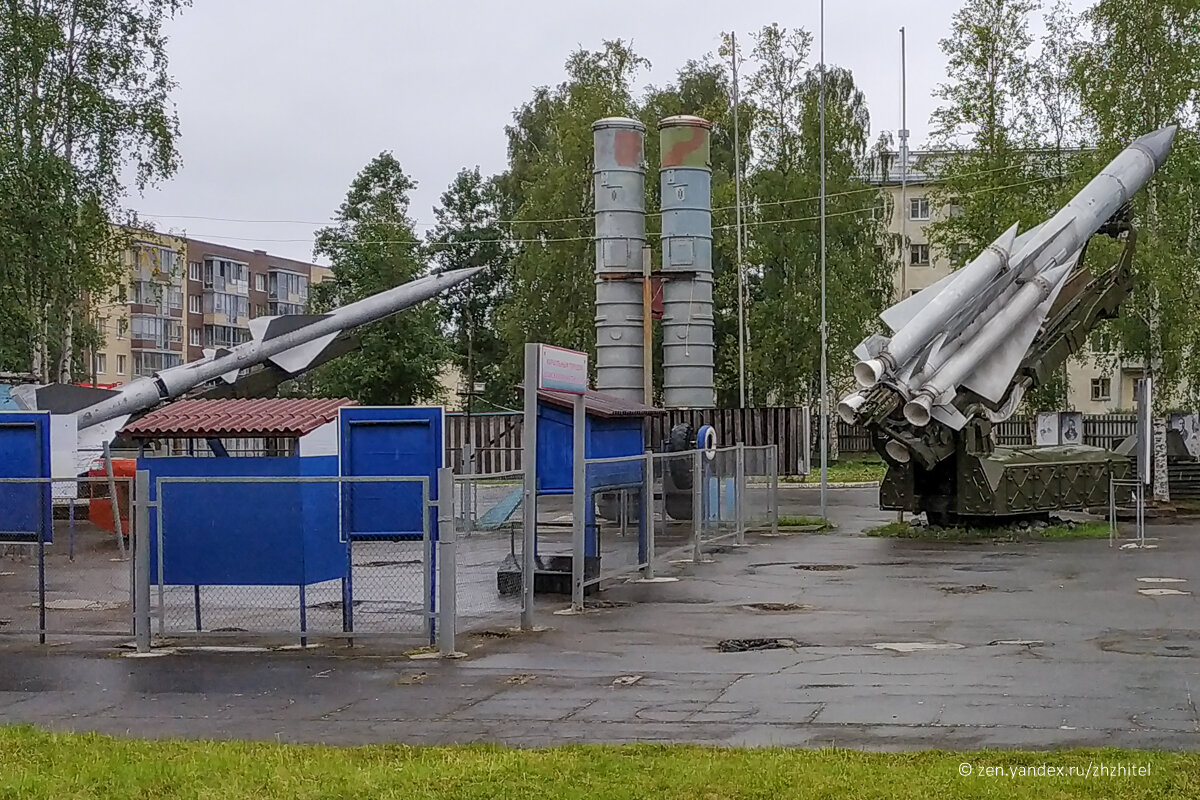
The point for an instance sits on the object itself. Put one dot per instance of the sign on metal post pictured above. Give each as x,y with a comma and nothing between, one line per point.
562,370
552,369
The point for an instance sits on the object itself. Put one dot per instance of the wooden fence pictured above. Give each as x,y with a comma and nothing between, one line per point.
497,437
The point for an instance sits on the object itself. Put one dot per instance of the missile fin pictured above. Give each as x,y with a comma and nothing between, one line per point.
991,380
949,416
258,327
870,347
902,313
297,359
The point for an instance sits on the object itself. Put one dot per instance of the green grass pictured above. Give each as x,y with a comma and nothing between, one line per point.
820,523
904,530
41,766
852,469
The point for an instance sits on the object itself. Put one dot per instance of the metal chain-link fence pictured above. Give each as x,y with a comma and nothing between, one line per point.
64,556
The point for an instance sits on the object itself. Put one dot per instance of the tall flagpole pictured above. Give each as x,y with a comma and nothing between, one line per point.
737,188
824,331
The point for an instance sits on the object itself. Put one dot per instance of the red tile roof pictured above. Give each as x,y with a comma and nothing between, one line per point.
602,404
282,418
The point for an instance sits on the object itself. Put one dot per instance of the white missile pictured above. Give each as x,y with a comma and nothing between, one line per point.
972,329
292,344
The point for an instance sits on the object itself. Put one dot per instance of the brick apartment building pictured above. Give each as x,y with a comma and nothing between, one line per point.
183,296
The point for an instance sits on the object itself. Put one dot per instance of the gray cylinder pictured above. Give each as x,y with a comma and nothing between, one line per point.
618,181
686,182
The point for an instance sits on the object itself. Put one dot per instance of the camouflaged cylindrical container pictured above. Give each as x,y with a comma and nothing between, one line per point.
619,179
686,182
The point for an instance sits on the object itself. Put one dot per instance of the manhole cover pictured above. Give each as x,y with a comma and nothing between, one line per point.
972,589
746,645
778,607
822,567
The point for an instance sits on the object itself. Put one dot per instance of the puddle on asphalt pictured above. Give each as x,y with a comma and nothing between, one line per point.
1161,643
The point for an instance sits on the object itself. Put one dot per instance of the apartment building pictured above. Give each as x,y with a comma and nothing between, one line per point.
1096,384
183,296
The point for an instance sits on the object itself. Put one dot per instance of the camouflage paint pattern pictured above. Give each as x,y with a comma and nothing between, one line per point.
618,181
686,183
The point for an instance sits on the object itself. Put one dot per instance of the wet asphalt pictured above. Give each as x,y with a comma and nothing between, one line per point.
886,644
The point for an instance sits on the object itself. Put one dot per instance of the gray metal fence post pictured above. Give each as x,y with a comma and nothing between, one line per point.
141,557
529,503
428,560
580,498
739,493
773,496
648,513
697,503
447,562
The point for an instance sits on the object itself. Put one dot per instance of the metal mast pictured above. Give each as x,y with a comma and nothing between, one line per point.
824,332
737,189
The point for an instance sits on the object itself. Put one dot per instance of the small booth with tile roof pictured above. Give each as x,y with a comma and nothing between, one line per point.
283,514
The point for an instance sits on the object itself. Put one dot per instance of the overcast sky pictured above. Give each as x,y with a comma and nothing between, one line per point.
281,102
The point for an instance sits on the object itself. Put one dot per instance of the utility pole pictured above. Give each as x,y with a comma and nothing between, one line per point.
824,327
737,188
903,173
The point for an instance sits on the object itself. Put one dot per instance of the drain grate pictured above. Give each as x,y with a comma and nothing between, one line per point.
778,607
747,645
972,589
823,567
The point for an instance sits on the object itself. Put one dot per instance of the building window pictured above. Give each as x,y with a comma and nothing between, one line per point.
194,270
1101,389
954,207
122,364
101,363
122,293
879,212
122,330
260,282
918,208
260,310
920,255
194,337
194,303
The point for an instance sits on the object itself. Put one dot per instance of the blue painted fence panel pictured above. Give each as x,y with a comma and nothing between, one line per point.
26,509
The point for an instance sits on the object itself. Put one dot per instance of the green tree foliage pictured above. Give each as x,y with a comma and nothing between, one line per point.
372,247
783,233
469,234
549,187
84,100
703,88
1138,70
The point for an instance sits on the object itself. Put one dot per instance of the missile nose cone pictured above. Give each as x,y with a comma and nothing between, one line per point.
1157,144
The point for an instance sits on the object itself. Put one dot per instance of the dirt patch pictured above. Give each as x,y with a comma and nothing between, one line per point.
598,604
492,634
1161,643
333,605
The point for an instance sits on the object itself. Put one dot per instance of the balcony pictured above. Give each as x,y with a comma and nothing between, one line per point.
223,276
226,309
287,287
155,333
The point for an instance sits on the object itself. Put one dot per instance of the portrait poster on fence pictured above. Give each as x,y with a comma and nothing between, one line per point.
1070,426
1048,430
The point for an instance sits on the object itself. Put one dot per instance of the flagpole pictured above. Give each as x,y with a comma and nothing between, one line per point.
824,327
